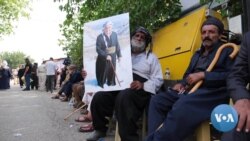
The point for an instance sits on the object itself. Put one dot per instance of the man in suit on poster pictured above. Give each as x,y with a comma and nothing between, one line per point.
108,49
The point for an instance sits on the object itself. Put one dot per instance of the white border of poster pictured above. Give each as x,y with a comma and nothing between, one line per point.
123,67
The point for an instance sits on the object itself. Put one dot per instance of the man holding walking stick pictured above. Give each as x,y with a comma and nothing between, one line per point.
129,103
175,114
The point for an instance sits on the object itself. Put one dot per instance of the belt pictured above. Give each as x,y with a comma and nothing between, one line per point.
110,50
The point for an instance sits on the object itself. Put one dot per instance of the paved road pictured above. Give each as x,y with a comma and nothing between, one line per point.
34,116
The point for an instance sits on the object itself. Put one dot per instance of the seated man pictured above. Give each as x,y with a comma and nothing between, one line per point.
181,113
66,91
129,103
236,84
78,90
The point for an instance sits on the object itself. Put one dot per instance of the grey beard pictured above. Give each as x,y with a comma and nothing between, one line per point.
136,48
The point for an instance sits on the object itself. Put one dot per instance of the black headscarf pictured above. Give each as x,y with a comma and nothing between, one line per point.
214,21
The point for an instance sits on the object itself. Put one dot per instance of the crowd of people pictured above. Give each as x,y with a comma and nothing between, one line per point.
44,77
173,113
31,76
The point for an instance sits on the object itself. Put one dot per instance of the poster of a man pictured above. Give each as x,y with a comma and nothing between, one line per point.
107,54
108,49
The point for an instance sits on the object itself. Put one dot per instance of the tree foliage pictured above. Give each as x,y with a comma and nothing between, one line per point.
14,59
234,7
151,14
11,11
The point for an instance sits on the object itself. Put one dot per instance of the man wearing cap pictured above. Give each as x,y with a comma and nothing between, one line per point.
108,48
181,113
237,83
129,103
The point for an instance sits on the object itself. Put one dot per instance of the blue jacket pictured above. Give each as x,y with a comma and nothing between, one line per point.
217,77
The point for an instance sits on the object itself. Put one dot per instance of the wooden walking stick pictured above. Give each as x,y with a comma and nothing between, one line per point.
212,64
70,114
214,61
115,72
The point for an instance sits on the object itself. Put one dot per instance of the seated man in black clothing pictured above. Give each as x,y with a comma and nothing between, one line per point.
238,88
174,114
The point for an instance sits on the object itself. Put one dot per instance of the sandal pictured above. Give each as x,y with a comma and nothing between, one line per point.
55,97
64,99
82,119
86,128
84,111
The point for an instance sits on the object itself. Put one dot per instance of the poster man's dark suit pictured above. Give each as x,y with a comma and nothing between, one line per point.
105,70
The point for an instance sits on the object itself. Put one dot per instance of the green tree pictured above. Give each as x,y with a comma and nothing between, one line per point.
151,14
234,7
14,59
10,12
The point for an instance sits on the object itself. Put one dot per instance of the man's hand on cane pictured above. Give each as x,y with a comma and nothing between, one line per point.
193,78
109,58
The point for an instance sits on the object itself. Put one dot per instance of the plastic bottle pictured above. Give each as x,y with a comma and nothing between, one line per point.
167,73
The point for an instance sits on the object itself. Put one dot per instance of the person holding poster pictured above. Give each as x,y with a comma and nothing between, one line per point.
130,102
108,48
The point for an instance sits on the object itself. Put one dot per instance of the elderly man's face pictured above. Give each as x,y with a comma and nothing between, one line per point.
210,35
108,29
138,42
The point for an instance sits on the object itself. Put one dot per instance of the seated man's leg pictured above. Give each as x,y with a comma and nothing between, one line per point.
187,113
159,106
128,109
75,95
102,106
60,91
78,94
235,136
74,89
67,91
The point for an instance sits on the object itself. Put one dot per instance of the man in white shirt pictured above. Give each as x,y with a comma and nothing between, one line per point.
50,74
42,76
